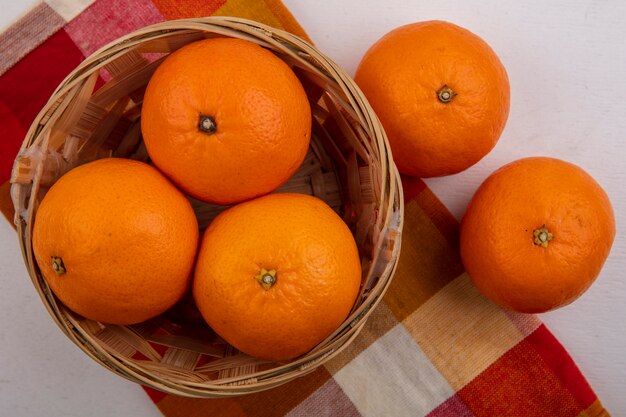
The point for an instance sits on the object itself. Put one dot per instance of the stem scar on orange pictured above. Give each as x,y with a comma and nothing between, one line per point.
226,120
441,94
116,241
536,234
276,275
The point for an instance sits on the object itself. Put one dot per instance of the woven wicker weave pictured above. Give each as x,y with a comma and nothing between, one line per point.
349,166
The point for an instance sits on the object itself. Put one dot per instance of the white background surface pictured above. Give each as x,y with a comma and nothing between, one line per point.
567,64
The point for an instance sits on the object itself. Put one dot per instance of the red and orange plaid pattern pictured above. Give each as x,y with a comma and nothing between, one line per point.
434,346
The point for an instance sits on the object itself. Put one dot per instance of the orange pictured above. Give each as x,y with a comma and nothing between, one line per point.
536,234
226,120
276,275
441,94
116,241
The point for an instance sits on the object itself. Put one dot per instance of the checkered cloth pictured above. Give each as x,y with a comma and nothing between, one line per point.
434,346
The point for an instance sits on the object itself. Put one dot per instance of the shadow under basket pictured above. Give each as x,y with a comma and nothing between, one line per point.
349,166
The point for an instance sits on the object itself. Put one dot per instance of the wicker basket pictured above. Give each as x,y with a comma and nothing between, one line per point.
349,166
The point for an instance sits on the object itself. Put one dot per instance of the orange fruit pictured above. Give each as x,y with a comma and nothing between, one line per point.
116,241
226,120
536,234
276,275
441,94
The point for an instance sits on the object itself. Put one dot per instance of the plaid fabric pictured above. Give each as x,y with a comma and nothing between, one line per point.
433,347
